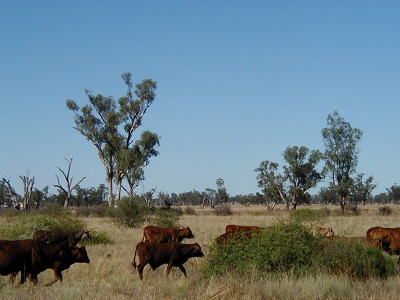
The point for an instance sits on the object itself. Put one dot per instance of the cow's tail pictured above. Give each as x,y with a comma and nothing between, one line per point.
134,259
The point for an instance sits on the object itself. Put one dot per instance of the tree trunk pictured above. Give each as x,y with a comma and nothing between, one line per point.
342,203
110,191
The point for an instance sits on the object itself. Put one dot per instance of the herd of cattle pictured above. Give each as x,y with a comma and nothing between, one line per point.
58,250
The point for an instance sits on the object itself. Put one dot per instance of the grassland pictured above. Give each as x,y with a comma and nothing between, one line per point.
111,276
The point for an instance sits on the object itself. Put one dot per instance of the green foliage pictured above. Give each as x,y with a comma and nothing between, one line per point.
131,212
308,217
23,225
165,218
291,248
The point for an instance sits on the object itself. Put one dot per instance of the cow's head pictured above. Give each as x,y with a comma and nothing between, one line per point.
197,250
86,235
186,233
82,256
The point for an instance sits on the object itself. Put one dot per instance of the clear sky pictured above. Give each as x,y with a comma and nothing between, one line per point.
238,82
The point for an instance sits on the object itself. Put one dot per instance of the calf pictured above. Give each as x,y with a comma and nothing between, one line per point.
59,235
328,231
157,254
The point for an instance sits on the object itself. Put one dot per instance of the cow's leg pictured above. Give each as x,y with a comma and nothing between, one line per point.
182,268
140,268
12,277
57,276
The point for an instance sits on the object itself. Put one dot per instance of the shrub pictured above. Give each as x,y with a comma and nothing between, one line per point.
291,248
309,217
189,210
384,211
165,218
131,212
223,210
92,211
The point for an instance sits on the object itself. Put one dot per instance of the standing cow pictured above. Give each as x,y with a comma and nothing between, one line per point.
64,260
59,235
30,257
157,234
157,254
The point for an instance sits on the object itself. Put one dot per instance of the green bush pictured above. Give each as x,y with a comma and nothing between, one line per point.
308,217
165,218
291,248
23,225
131,212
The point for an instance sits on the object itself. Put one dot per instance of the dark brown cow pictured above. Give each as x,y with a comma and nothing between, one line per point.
157,254
30,257
64,260
242,228
59,235
157,234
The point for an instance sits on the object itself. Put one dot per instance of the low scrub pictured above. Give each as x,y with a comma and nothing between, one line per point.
131,212
23,225
291,248
164,218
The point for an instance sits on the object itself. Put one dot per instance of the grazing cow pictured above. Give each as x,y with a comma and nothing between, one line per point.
59,235
328,231
157,234
64,260
157,254
30,257
241,228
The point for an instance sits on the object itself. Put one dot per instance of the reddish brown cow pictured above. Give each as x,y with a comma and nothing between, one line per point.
30,257
388,239
59,235
157,234
242,228
157,254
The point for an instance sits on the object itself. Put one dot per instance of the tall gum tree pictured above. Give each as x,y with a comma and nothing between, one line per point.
110,125
341,142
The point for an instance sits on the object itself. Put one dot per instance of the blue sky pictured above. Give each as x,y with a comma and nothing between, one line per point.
238,82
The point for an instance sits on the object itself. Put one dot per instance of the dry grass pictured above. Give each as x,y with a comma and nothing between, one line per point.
111,276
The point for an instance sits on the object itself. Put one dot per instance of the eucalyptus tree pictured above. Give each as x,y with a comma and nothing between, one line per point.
361,190
110,126
394,193
341,154
222,194
69,188
301,171
272,182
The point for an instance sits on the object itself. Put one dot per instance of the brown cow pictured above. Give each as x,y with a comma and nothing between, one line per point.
30,257
157,234
157,254
59,235
242,228
64,260
388,239
328,231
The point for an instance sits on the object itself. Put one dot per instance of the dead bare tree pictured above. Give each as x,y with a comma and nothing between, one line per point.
11,193
69,189
28,187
